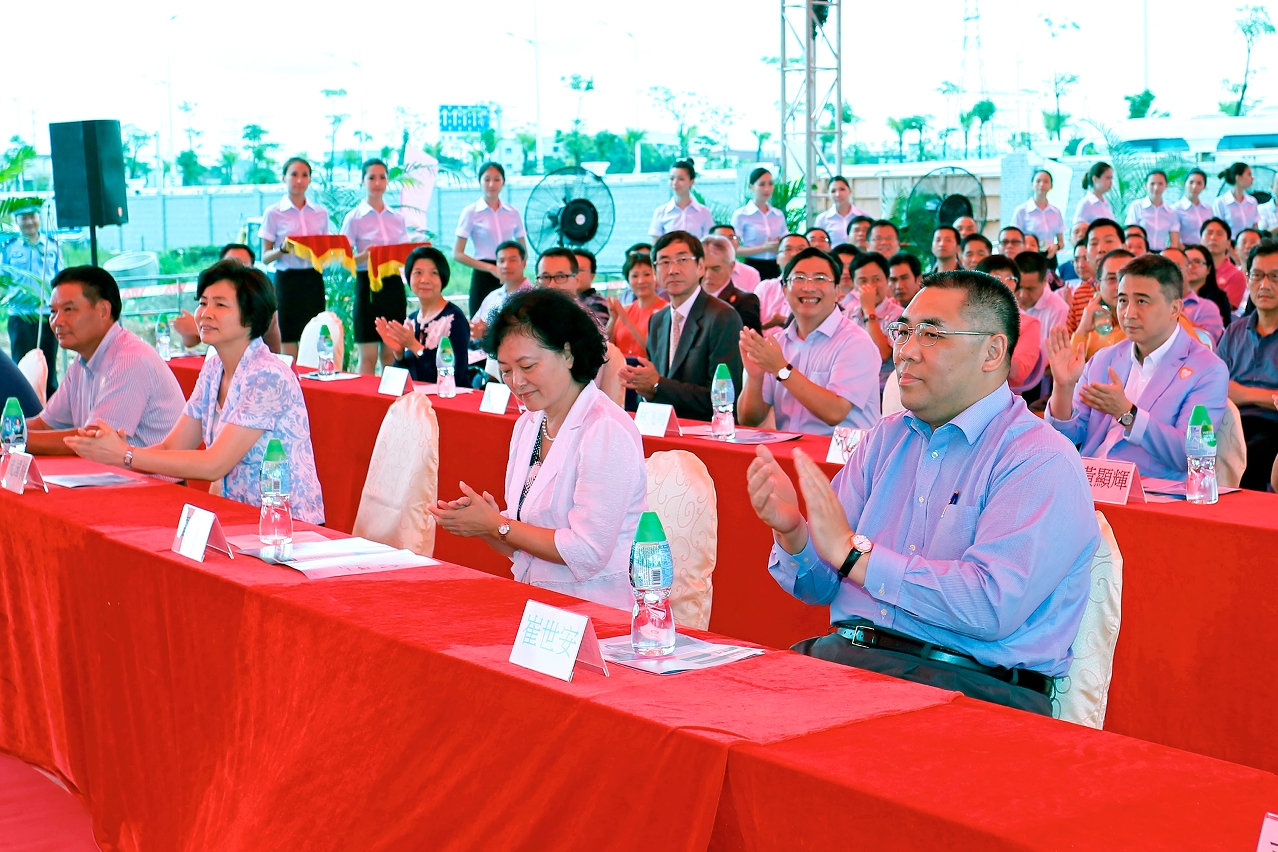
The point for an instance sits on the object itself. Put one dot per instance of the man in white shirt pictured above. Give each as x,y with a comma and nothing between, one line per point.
773,307
873,310
744,276
718,281
511,258
973,249
885,238
905,278
859,232
945,248
820,372
1035,297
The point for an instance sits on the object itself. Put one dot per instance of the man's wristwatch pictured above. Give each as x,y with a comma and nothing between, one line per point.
785,372
128,459
860,547
503,531
1129,418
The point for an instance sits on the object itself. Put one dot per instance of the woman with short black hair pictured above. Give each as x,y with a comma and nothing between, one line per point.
575,479
487,223
299,288
244,397
415,343
373,223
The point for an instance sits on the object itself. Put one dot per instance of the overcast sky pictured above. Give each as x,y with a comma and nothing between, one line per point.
266,63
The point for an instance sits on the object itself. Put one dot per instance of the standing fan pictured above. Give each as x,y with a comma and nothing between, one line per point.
571,207
1262,181
938,198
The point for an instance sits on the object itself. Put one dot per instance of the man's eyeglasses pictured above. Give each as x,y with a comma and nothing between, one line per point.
667,262
804,279
1258,277
556,279
926,333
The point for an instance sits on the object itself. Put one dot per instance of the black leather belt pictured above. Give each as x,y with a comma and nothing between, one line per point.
868,636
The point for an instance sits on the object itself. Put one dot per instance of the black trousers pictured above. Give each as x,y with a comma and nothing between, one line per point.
1262,446
22,339
481,284
390,302
836,649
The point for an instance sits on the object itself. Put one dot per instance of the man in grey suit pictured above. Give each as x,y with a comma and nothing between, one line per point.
687,339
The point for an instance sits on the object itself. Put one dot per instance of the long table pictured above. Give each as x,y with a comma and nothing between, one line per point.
1200,599
235,705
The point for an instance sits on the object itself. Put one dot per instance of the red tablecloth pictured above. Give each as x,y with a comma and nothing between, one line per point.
1192,668
234,705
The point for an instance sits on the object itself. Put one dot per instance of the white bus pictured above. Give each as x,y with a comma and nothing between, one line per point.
1205,134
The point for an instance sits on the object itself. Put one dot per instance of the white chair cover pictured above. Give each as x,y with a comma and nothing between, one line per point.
308,346
892,395
1231,447
1082,694
682,494
403,478
35,369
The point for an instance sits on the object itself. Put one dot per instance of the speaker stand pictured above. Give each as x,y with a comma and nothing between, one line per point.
93,245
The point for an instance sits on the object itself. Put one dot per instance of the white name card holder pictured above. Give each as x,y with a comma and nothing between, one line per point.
18,470
492,369
1115,482
497,398
394,380
287,359
553,641
1268,834
199,528
843,442
657,420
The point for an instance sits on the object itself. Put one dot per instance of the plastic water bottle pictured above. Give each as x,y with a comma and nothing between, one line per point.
13,428
652,626
163,337
1103,320
722,397
1200,451
276,526
325,352
445,369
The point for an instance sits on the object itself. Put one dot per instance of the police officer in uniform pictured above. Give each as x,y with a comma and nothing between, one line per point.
34,258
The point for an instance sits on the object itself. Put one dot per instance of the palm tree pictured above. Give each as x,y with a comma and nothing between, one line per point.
918,123
760,136
633,140
227,161
984,112
965,120
900,126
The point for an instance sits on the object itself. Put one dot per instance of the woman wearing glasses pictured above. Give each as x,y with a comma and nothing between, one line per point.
575,480
822,371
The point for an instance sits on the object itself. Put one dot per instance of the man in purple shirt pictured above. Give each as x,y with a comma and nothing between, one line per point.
955,546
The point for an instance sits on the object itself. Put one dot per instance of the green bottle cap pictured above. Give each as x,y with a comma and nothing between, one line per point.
12,408
446,346
1200,417
721,372
324,332
650,528
274,451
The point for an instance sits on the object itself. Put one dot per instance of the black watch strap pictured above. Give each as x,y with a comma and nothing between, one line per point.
846,568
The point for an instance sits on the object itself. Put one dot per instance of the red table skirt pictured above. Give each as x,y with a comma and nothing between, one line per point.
1197,644
235,705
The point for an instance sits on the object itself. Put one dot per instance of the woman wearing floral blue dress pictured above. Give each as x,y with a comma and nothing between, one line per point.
244,397
415,342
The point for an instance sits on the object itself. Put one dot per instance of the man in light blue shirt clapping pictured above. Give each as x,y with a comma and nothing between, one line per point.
955,547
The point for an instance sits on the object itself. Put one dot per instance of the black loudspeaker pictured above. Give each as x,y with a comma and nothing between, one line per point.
88,173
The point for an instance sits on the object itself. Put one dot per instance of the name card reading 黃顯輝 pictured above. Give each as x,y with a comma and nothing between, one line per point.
1116,482
552,641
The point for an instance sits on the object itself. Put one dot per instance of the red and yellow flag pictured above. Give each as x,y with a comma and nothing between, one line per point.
385,261
323,250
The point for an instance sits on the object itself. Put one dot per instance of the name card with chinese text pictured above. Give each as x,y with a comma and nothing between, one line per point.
552,641
1116,482
1268,834
496,399
657,420
18,470
843,442
394,380
199,528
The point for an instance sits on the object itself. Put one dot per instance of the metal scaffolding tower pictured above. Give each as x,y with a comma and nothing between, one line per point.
811,90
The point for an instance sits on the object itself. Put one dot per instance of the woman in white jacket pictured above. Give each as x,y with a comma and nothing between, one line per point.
575,479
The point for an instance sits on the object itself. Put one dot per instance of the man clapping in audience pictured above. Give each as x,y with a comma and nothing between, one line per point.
822,371
955,546
1132,401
